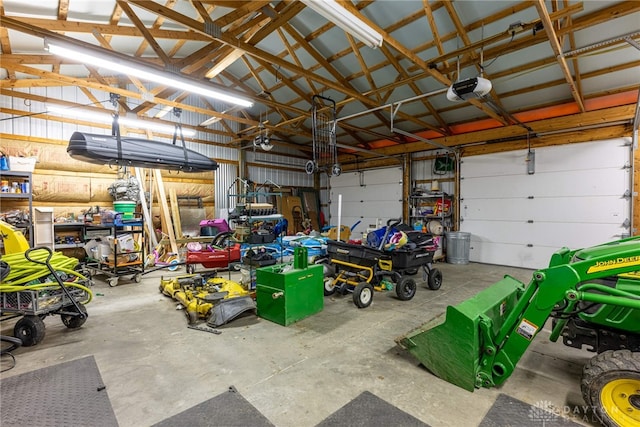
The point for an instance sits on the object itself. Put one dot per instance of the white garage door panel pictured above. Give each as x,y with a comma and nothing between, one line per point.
577,201
609,153
487,252
511,163
368,193
610,210
601,154
561,183
379,198
371,177
549,234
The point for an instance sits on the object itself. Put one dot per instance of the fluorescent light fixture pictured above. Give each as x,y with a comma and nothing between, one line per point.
143,72
346,20
107,118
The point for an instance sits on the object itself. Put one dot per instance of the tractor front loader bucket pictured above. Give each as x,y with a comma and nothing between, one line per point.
452,348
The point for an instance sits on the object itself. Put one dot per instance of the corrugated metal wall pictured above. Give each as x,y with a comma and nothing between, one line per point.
285,178
224,177
422,170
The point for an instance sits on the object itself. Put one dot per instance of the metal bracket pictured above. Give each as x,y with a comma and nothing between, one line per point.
212,29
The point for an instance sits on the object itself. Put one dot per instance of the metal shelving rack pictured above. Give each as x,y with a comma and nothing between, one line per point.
116,269
14,176
420,201
245,199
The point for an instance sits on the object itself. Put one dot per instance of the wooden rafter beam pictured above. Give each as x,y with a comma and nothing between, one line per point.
564,123
422,64
453,14
557,49
428,12
292,54
156,24
105,44
202,11
363,66
197,26
444,128
144,31
109,29
195,63
343,85
5,44
63,9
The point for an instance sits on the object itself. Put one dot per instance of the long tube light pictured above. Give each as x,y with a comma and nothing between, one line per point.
346,20
142,72
123,120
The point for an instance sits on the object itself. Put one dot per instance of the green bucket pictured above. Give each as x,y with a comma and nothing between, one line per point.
126,207
451,346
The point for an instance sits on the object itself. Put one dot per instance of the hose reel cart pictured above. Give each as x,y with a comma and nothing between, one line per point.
39,283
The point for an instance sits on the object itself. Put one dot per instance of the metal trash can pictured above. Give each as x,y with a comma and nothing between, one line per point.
458,247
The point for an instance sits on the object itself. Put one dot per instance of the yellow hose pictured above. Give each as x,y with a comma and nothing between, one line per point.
9,288
23,271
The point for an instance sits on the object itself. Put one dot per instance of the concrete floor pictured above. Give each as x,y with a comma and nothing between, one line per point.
154,367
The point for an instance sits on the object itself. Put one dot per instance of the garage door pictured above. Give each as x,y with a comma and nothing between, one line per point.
367,196
577,197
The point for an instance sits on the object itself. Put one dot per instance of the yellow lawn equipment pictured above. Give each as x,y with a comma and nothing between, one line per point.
215,299
13,239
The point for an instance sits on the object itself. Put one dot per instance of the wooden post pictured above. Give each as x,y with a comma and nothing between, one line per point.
165,217
175,213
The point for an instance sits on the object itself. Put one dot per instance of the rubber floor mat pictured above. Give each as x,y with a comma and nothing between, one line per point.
228,409
369,410
508,411
67,394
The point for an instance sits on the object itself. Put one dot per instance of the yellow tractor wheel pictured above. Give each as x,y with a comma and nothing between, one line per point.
611,386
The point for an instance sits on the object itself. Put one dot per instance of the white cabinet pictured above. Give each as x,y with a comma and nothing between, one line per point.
43,234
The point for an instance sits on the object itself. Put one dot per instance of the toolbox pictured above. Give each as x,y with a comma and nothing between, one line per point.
289,292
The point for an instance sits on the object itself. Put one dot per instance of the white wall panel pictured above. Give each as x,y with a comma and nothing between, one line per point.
366,196
575,198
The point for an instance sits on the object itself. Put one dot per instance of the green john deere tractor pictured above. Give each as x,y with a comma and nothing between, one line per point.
593,297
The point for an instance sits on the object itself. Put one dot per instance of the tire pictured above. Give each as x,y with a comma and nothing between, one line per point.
411,272
137,278
74,322
611,386
363,295
30,329
406,288
329,289
435,279
113,282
